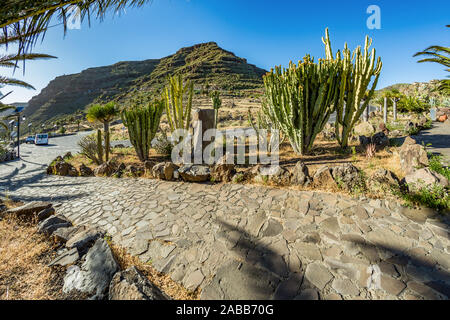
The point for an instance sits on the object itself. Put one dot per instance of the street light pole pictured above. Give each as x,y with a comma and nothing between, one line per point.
18,136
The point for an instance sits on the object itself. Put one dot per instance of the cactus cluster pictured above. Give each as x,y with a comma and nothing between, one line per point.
178,111
301,98
217,103
142,120
355,76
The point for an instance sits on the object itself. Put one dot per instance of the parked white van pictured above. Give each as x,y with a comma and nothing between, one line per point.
41,138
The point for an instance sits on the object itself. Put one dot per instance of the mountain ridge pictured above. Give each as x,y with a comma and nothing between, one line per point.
206,64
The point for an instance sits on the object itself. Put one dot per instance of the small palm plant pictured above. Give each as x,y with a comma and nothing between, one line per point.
103,114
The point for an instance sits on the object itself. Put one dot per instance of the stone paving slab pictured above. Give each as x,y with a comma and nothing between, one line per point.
251,242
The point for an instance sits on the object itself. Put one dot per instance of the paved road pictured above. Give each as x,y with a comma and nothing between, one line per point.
252,242
439,138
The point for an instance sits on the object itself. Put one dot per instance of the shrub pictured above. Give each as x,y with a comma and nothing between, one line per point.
435,197
88,145
436,165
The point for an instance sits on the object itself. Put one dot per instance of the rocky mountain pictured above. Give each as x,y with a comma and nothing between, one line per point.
424,90
206,64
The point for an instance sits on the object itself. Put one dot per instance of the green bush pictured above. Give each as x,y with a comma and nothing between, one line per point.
435,197
436,165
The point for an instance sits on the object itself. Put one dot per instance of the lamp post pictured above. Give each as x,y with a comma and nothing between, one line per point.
29,128
17,112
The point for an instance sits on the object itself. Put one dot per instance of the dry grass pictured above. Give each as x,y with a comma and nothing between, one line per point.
24,255
162,281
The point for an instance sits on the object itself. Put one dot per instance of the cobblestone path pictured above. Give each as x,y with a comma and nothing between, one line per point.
252,242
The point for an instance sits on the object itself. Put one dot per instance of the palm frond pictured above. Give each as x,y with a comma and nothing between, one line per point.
14,82
32,18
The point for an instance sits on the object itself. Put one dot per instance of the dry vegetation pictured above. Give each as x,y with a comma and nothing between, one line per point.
24,255
162,281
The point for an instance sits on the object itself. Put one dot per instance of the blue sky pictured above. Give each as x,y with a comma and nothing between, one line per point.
266,33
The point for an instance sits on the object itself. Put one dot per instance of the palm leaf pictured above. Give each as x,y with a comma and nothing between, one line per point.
14,82
32,18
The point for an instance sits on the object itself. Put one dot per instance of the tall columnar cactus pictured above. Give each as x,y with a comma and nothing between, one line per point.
142,120
357,70
300,99
178,111
217,103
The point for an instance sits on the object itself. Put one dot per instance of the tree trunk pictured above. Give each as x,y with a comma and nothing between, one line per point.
385,111
99,146
395,109
106,129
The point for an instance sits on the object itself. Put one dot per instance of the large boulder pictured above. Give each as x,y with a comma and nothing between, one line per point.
346,176
274,174
424,178
52,223
62,168
164,170
85,171
194,173
95,274
135,171
30,208
130,284
105,169
383,181
223,172
83,239
380,140
300,174
412,156
323,178
364,129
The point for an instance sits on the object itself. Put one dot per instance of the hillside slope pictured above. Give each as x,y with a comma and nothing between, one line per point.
206,64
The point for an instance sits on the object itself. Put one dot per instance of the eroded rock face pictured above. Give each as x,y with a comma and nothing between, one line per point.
95,274
424,178
130,284
194,173
300,175
412,156
164,171
85,171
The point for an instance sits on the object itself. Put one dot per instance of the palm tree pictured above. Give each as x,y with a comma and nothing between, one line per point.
11,61
103,114
441,55
33,17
